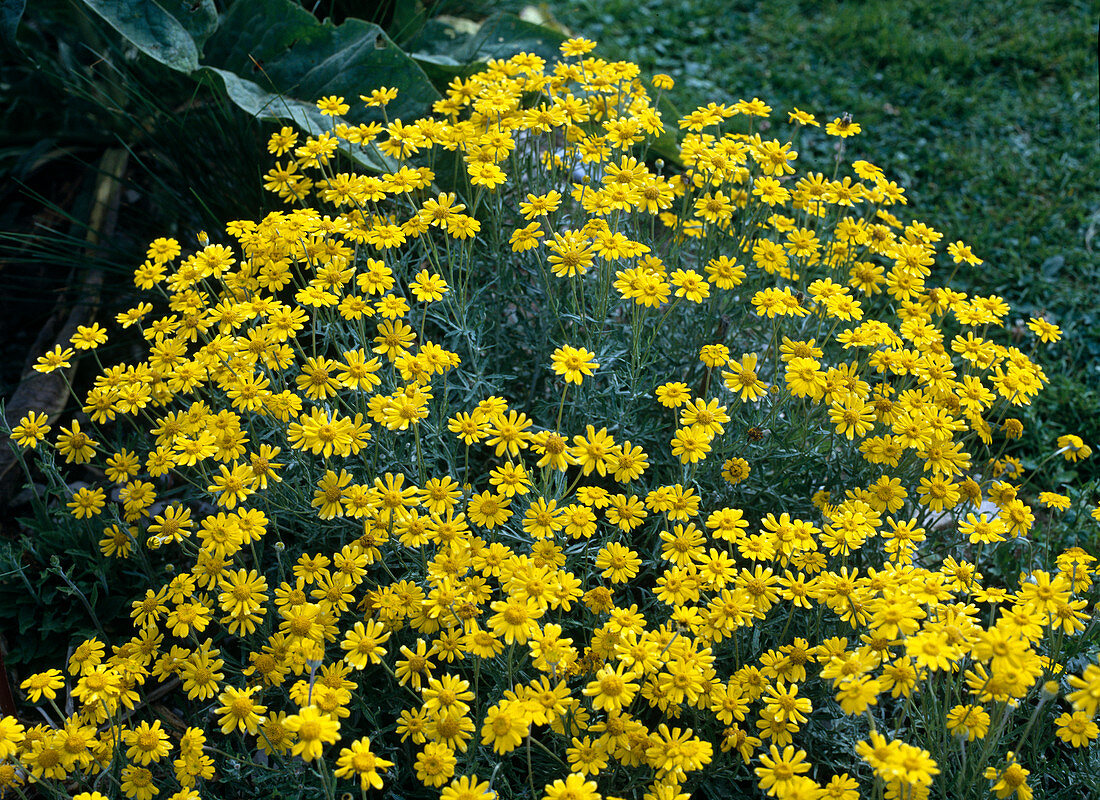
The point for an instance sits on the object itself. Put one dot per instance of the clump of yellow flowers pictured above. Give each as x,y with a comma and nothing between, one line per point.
537,468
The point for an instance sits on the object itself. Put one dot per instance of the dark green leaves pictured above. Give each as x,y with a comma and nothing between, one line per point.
265,105
272,57
11,11
449,46
152,30
283,49
198,17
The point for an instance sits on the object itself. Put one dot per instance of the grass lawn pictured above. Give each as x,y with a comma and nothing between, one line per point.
985,111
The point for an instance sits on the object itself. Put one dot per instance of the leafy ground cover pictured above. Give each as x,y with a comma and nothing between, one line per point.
987,111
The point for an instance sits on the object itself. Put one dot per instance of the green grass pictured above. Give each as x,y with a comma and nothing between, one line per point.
985,111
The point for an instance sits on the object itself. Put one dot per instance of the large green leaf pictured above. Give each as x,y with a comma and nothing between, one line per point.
281,47
152,30
198,17
274,58
504,35
11,11
449,46
266,105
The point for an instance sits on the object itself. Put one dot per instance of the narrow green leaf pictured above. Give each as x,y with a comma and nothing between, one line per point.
408,19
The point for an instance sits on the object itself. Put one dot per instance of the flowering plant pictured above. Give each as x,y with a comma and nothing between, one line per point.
531,469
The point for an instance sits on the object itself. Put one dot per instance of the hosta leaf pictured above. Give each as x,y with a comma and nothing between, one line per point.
267,105
198,17
280,47
152,30
504,35
449,46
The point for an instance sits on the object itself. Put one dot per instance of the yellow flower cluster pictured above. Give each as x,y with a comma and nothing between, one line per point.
506,584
